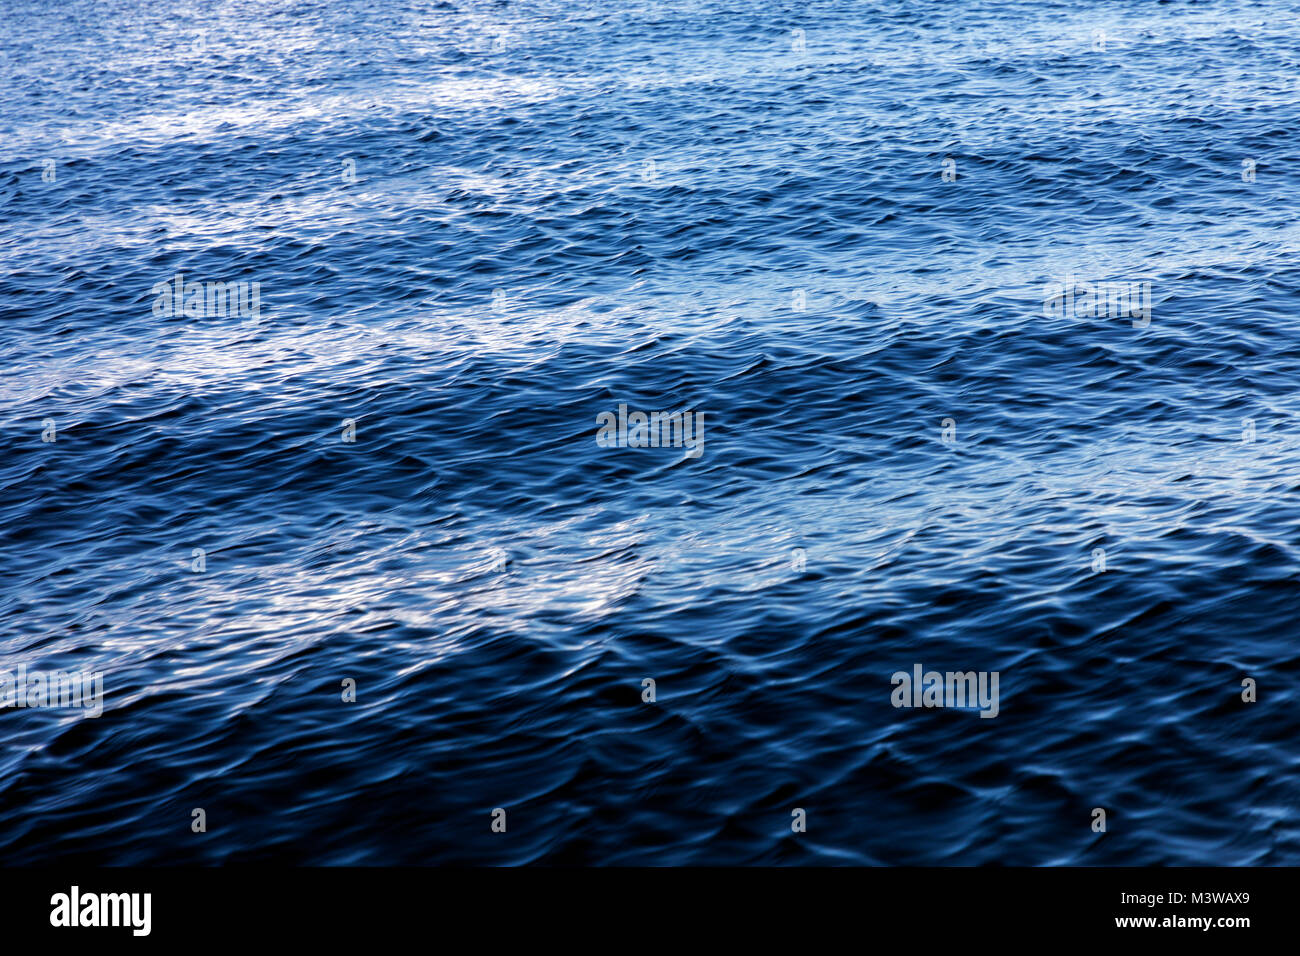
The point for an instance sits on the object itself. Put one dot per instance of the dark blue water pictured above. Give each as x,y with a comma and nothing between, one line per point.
476,226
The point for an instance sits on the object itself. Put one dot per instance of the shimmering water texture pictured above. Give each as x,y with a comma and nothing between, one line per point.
825,227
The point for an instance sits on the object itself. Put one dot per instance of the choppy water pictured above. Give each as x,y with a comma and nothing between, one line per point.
477,226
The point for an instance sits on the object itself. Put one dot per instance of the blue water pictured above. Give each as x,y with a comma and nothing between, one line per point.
478,225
